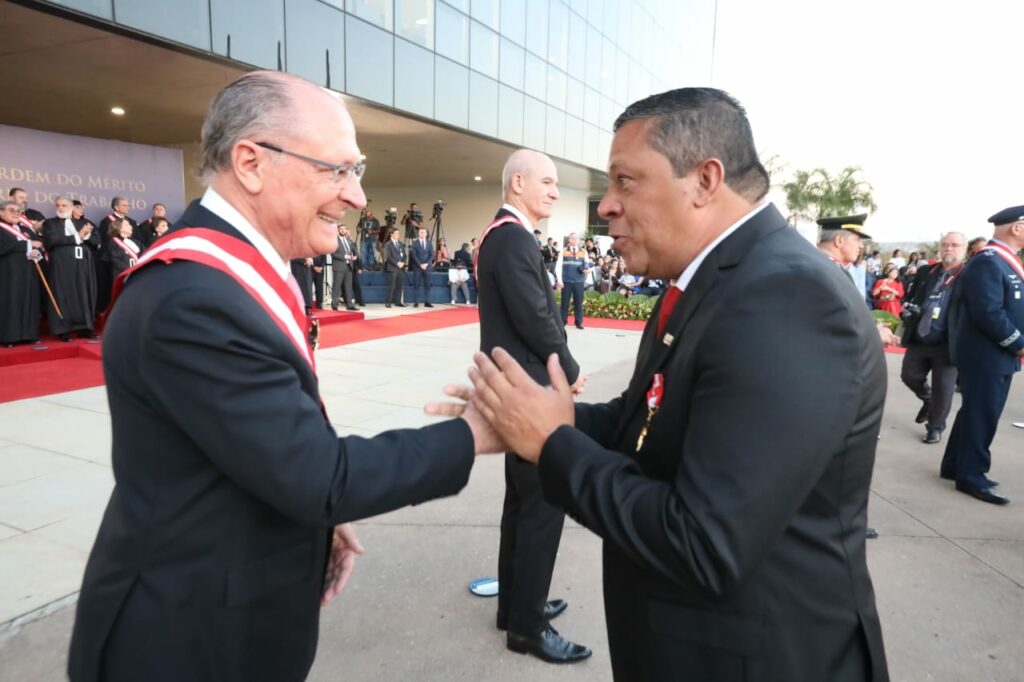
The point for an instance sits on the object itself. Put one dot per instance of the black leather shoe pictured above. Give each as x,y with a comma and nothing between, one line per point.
548,646
991,483
387,305
932,436
351,307
66,338
984,494
922,414
400,305
415,305
428,305
579,326
553,609
870,533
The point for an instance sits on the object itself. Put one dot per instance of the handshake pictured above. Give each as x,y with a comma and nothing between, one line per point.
506,409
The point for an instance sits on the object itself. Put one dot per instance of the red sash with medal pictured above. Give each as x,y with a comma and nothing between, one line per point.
498,222
244,264
654,396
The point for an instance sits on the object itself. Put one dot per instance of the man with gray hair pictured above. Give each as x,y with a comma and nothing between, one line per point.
20,252
229,523
926,336
518,313
74,247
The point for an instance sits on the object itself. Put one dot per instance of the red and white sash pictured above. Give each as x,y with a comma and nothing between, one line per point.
243,263
1007,255
130,249
498,222
27,223
18,234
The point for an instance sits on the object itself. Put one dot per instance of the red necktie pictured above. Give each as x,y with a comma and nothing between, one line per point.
671,297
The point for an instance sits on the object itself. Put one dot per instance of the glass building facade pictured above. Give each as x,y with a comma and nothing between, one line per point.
547,74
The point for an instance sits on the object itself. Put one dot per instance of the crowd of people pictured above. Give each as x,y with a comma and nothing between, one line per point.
961,316
62,268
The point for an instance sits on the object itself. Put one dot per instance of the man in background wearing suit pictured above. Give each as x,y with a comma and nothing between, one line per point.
394,263
343,269
518,312
227,528
729,554
986,343
421,255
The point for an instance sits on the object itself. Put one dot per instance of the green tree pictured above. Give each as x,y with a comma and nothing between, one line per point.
819,194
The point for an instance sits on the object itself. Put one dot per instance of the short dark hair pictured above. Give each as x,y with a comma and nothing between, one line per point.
694,124
115,201
76,202
15,190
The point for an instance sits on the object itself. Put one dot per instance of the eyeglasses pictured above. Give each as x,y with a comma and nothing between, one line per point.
339,171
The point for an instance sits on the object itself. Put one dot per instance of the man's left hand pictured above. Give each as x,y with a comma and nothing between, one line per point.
344,548
523,412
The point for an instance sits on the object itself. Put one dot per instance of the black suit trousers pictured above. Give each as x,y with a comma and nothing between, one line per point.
396,285
967,457
342,286
318,287
531,529
920,359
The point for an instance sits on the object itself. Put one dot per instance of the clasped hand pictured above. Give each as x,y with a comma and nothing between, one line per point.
508,410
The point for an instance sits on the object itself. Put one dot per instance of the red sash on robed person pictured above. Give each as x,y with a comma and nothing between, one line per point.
133,256
243,263
1007,255
18,234
497,223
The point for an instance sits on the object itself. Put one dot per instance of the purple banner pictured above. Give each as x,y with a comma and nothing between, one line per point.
92,170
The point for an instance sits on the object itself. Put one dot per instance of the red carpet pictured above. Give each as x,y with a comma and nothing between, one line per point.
28,373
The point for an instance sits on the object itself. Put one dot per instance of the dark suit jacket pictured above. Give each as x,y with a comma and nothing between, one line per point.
986,317
419,255
338,261
209,562
394,253
734,543
517,306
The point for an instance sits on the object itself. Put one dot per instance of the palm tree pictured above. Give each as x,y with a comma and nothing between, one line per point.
818,194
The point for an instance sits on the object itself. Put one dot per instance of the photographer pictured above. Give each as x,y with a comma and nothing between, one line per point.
413,221
369,234
926,337
570,274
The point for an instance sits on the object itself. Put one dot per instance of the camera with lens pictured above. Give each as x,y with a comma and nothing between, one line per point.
438,208
910,310
416,216
391,216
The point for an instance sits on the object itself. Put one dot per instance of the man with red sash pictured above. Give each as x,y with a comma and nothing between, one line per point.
986,320
19,280
730,553
228,526
518,312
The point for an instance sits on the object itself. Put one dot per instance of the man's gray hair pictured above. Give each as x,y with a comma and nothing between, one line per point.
520,162
5,203
63,197
827,236
257,103
115,201
694,124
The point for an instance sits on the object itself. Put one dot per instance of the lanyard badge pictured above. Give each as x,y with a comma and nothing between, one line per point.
654,395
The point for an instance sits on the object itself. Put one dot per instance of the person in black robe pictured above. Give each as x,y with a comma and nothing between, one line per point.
302,270
19,288
124,251
73,246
